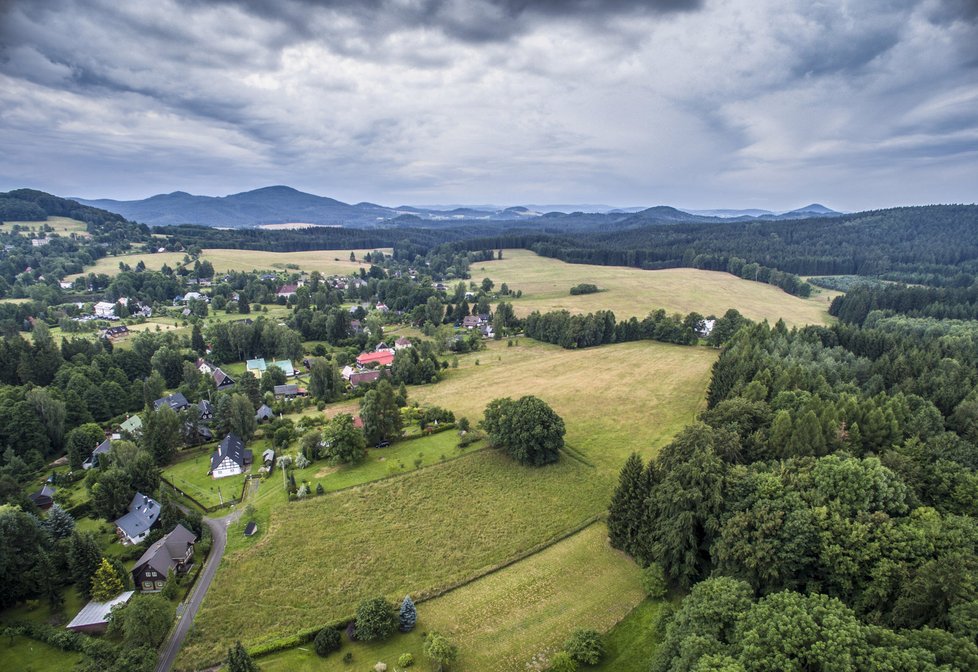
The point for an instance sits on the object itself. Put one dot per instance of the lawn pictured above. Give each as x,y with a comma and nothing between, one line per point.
508,619
28,655
190,475
441,524
327,262
631,644
546,284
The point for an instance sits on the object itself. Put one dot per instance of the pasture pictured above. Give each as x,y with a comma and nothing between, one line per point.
63,226
631,292
327,262
110,265
454,520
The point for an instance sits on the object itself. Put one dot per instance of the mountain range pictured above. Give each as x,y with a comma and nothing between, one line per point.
283,205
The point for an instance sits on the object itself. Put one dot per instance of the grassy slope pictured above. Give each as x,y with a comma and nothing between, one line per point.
546,286
28,655
63,226
448,522
328,262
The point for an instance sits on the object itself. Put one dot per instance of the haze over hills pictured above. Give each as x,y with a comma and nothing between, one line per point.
282,204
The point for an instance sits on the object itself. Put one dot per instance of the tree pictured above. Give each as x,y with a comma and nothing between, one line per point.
161,434
626,515
380,414
239,661
528,429
273,376
24,563
585,647
250,386
111,492
327,640
323,380
440,651
145,619
105,582
342,441
241,417
654,581
376,619
408,615
84,558
59,522
81,441
197,343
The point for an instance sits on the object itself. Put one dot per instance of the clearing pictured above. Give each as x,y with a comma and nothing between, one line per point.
628,291
63,226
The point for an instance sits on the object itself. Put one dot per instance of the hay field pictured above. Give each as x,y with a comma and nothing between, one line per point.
546,286
63,226
153,261
327,262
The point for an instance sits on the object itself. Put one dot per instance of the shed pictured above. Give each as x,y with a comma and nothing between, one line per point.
250,529
94,616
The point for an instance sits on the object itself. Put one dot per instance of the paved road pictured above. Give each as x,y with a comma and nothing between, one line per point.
219,532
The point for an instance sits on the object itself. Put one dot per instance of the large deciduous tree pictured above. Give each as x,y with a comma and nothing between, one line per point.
380,414
528,429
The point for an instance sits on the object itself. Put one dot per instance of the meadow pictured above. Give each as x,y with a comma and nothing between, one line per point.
327,262
63,226
628,292
454,520
110,265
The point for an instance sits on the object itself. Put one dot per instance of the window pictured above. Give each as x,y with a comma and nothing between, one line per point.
152,574
160,584
147,585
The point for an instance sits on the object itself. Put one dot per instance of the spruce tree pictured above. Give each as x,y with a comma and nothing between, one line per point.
627,506
106,583
197,343
84,558
408,614
60,523
239,660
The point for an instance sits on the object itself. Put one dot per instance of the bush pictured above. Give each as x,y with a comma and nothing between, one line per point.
406,660
348,657
562,662
654,581
583,288
327,641
585,646
376,619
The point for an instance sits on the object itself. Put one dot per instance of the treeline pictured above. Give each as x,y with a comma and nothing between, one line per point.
943,303
600,328
827,494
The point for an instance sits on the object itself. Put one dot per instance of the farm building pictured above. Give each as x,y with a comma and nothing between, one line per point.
137,522
172,552
358,379
94,616
231,458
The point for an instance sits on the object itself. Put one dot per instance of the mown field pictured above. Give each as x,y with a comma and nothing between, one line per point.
63,226
518,614
451,521
546,286
327,262
154,262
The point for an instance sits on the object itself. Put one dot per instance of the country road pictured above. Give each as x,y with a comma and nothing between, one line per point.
219,532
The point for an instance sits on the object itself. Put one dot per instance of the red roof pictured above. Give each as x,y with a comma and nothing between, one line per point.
358,422
381,358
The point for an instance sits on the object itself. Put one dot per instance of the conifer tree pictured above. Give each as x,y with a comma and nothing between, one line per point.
60,522
239,660
408,614
106,583
627,506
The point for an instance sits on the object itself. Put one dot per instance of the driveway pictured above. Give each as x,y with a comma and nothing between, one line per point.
219,532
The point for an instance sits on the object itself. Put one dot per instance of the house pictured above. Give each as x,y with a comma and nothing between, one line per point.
383,358
205,367
105,310
113,333
172,552
286,291
356,326
706,327
402,343
206,409
471,321
66,284
358,379
222,380
286,367
264,413
231,458
382,308
43,498
193,296
256,367
289,391
205,433
347,372
268,458
176,401
132,426
137,522
101,449
94,616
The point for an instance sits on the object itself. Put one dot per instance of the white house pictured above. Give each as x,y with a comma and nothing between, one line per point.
136,524
105,309
230,458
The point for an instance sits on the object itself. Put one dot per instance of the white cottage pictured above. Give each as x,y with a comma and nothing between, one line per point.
230,458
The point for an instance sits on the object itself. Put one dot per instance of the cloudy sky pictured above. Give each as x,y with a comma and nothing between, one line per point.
695,103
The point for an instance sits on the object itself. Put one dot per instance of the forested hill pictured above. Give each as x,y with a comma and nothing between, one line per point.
31,205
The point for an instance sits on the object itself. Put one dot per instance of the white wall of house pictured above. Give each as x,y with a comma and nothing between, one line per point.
227,468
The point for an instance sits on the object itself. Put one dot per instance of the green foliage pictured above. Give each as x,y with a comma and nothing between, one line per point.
25,563
562,661
376,619
583,288
161,434
81,441
440,651
585,647
105,582
528,429
327,640
626,515
654,581
408,615
380,413
342,442
145,619
405,660
238,660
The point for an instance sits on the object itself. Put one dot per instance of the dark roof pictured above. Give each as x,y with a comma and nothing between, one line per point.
116,331
205,432
364,377
288,390
264,413
142,515
43,497
471,321
176,401
251,528
221,378
166,552
102,448
232,446
205,407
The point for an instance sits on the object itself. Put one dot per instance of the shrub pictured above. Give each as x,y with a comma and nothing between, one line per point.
348,657
376,619
406,660
562,662
585,646
327,641
654,581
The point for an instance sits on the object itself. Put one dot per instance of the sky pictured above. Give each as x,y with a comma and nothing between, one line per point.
692,103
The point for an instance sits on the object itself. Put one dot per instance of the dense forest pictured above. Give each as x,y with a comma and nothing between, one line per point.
823,509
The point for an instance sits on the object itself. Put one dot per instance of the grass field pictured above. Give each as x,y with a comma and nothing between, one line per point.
631,644
451,521
110,265
627,291
28,655
327,262
63,226
190,476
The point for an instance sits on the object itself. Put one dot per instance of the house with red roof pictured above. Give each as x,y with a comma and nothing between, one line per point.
382,358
